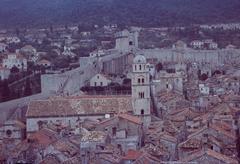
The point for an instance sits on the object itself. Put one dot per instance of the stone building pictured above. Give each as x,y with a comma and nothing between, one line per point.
126,41
166,82
141,99
124,130
15,60
100,80
118,65
70,111
12,130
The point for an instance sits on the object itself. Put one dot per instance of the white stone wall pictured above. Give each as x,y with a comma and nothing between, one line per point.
69,82
16,132
99,80
18,62
4,74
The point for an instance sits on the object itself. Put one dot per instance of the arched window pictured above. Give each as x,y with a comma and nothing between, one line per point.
139,80
143,80
141,95
140,67
142,112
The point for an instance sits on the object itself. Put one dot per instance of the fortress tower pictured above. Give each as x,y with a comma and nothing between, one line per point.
126,41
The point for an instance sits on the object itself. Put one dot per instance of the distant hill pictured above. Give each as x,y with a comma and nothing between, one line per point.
127,12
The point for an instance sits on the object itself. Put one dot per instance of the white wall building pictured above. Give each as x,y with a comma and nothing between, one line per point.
100,80
15,60
70,111
197,44
4,73
3,47
12,40
97,53
205,90
68,51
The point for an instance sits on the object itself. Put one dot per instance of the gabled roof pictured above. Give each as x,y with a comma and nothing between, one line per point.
211,153
43,137
66,147
73,160
217,129
131,118
132,155
50,159
146,158
190,143
21,147
81,105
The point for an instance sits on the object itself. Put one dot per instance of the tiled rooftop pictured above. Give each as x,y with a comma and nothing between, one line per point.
83,105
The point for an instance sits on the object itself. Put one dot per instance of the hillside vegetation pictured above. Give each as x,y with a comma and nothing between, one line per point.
126,12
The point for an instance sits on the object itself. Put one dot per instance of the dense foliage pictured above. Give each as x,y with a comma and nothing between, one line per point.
125,12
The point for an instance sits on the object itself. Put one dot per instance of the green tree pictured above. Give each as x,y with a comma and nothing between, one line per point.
14,69
28,90
6,91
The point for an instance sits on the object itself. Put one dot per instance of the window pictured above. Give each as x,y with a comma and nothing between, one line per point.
130,43
167,86
142,112
139,80
95,83
101,83
98,77
135,67
140,67
143,80
114,131
141,95
9,133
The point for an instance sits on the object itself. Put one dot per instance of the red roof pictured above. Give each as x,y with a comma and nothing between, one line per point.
131,118
43,137
132,155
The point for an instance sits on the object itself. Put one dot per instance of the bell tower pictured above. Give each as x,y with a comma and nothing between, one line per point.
141,89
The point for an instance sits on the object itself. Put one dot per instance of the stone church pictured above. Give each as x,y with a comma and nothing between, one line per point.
71,110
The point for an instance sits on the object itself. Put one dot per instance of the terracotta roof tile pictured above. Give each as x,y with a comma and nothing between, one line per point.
43,137
131,118
211,153
81,105
132,155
